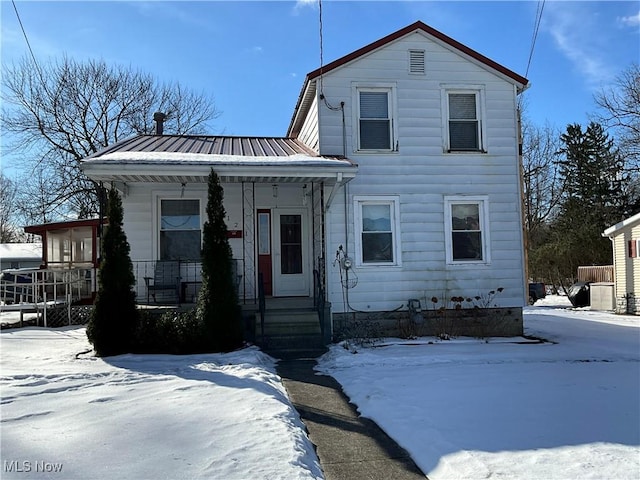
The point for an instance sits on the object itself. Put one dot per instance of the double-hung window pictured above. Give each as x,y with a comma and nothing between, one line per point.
180,235
467,232
375,123
464,120
377,225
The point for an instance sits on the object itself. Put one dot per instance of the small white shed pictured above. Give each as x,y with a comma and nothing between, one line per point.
625,237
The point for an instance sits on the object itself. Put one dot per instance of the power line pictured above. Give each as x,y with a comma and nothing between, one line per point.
26,39
536,28
321,42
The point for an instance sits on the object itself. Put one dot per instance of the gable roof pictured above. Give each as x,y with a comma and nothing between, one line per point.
612,231
308,88
189,159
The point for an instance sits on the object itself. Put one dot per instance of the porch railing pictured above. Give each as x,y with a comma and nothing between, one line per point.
262,304
319,302
189,281
38,289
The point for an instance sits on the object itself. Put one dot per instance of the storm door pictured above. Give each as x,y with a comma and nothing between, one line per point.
290,253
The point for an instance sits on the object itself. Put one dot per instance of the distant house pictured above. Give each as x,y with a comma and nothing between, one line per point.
20,255
625,237
398,180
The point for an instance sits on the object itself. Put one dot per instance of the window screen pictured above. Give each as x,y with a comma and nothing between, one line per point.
463,122
180,230
375,122
466,233
377,235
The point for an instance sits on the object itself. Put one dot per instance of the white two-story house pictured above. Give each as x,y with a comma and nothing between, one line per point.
398,179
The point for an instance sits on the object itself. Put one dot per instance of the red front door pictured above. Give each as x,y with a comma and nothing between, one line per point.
264,249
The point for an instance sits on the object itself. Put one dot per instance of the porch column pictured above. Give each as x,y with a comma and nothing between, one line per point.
319,234
248,241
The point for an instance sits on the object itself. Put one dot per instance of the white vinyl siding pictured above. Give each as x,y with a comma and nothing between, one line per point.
421,173
309,132
377,224
375,107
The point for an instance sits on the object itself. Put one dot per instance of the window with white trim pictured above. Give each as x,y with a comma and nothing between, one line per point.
375,122
464,125
466,230
378,232
180,234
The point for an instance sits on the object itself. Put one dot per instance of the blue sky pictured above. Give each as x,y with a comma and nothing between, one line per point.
253,56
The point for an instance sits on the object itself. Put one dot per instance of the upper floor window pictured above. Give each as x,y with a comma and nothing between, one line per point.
377,224
375,118
464,124
467,233
180,229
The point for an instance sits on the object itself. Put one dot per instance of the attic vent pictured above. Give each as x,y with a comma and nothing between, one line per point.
416,61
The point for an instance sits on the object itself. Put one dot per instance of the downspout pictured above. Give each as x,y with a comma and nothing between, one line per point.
525,233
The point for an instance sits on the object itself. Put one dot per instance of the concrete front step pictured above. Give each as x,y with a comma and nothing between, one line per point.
298,342
288,323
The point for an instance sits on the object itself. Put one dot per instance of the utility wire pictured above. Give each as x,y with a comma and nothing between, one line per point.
536,28
321,42
26,39
322,97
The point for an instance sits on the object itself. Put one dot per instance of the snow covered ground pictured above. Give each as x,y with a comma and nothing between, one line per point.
143,416
500,410
463,408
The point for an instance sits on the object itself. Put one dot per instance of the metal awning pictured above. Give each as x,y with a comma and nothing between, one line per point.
189,159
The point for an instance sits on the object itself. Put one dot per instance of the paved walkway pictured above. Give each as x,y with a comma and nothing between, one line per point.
349,447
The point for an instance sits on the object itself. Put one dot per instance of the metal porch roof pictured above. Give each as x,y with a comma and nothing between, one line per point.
189,158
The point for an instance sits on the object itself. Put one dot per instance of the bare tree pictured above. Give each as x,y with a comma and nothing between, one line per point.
65,110
620,106
8,229
542,184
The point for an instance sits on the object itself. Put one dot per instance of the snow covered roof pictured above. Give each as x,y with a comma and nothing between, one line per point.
20,251
611,231
189,158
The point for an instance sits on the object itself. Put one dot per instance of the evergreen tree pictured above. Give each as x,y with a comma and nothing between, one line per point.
217,300
592,200
113,319
593,172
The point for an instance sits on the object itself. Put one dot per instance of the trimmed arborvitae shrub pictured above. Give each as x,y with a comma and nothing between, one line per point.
114,317
217,303
173,332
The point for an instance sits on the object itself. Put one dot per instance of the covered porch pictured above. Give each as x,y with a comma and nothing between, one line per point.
276,196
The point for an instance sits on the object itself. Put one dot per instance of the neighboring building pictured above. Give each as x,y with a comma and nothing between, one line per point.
68,244
20,255
71,245
625,237
402,156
